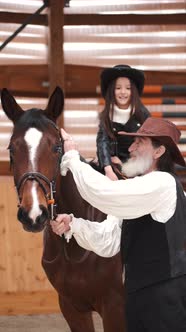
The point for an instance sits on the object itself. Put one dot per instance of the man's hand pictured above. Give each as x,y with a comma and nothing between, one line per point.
61,224
69,143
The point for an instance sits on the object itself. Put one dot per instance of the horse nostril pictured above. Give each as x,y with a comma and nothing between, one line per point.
44,216
31,225
22,216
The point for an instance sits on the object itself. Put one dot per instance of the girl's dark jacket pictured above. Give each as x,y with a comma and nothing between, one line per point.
107,147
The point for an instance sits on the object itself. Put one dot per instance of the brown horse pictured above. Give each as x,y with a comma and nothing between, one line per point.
84,281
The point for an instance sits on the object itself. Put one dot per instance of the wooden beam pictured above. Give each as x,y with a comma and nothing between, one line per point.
165,77
124,19
84,79
20,18
56,40
33,80
99,19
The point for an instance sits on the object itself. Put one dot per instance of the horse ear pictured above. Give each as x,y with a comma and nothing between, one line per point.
10,107
55,104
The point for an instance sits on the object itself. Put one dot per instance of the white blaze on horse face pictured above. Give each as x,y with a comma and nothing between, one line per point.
33,138
35,210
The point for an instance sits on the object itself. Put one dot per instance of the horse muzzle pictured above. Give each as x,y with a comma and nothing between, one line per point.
33,224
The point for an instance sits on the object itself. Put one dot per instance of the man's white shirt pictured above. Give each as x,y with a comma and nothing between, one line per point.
153,193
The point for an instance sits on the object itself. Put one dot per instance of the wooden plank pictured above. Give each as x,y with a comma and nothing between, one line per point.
29,303
99,19
20,18
56,54
76,84
25,80
164,77
56,39
125,19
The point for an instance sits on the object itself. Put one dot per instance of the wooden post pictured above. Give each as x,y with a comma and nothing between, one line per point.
55,47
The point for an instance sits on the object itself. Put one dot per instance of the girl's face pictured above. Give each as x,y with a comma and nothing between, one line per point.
122,92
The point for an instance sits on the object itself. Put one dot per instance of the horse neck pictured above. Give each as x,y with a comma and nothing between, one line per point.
68,198
70,201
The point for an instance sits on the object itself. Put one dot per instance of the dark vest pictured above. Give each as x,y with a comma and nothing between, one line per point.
107,146
153,251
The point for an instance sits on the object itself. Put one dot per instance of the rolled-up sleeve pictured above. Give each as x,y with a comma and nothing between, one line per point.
102,238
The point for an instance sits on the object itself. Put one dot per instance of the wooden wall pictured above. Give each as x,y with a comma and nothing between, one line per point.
22,279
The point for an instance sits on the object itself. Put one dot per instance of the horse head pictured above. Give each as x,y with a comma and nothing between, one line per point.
35,151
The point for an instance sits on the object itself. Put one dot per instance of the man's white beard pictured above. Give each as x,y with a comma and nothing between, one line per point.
138,166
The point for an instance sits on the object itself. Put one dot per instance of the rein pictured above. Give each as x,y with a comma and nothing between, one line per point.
76,261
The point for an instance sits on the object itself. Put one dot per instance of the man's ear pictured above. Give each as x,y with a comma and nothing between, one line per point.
159,151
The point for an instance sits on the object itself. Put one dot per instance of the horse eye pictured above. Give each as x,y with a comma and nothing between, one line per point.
11,150
57,149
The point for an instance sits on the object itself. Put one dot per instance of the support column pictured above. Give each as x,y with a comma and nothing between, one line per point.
55,47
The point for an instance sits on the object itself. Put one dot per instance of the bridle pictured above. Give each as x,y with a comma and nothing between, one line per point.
39,178
50,195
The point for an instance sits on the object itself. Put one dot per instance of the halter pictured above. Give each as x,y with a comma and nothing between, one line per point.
38,177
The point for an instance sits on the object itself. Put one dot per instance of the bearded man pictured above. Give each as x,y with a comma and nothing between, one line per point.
146,221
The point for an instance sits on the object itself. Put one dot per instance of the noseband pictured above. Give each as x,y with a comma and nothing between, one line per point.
39,178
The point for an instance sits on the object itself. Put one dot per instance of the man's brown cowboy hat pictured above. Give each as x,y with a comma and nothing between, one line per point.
165,132
110,74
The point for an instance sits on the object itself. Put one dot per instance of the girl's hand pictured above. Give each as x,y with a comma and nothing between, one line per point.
110,173
116,160
61,224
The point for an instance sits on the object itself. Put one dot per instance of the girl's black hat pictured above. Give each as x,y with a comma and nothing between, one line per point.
110,74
